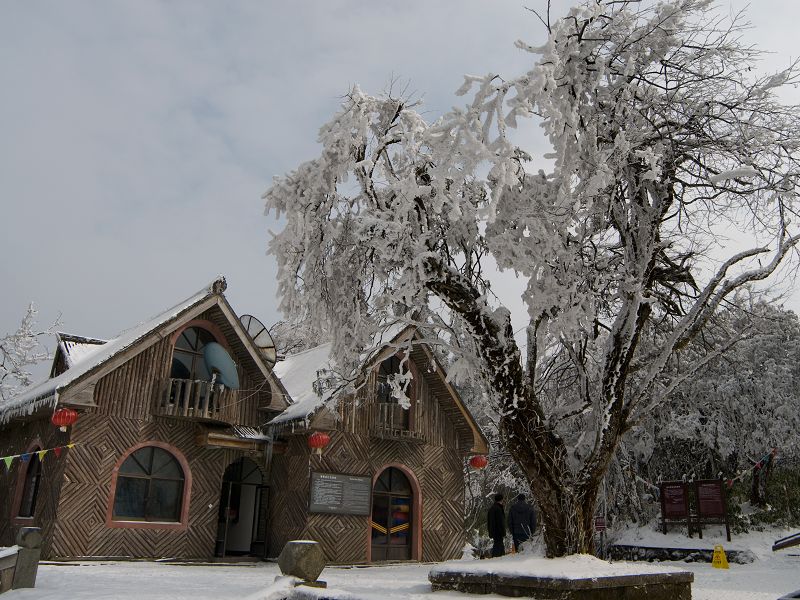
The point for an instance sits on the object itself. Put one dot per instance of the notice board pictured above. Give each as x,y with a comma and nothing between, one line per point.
341,494
711,499
674,500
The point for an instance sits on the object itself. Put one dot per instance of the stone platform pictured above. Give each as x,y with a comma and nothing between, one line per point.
650,586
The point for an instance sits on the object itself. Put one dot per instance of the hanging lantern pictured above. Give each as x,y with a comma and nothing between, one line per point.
64,417
478,461
318,440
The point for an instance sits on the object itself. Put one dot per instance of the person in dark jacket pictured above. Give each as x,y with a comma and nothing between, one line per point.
521,521
496,524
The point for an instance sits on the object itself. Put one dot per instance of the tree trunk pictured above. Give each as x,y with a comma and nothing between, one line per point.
566,512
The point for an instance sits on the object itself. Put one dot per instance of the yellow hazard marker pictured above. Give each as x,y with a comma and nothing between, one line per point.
719,561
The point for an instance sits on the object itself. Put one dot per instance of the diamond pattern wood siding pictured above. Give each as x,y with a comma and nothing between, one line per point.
15,439
81,526
75,491
437,463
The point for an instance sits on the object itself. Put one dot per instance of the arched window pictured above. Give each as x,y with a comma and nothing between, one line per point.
187,356
149,487
30,487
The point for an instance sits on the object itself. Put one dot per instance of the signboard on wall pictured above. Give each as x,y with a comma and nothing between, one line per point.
340,494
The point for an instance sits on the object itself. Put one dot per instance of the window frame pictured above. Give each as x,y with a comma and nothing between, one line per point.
209,326
381,380
183,520
19,490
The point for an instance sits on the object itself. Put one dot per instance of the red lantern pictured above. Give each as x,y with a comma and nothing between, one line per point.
478,461
318,440
64,417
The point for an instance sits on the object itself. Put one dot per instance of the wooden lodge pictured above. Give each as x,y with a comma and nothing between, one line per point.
172,455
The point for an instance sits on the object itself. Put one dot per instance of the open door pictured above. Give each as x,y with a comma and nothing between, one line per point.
241,527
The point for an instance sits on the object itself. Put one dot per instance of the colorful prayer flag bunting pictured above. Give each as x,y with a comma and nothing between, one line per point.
26,457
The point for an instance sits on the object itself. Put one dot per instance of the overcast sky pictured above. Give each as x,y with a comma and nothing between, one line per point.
137,137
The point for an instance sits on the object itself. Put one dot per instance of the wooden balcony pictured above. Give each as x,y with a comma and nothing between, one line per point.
197,400
390,421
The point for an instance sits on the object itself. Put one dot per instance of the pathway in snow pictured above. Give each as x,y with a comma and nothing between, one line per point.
765,579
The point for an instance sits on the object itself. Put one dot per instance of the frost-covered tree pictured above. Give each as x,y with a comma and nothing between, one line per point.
744,403
725,418
662,136
19,351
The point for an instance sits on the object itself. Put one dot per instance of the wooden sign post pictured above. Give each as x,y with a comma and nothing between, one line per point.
600,527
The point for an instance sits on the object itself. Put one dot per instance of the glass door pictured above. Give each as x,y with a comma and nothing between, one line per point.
391,516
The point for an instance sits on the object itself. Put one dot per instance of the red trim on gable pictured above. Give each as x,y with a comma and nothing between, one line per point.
209,326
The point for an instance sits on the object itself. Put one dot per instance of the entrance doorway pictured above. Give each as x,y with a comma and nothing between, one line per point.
241,525
391,522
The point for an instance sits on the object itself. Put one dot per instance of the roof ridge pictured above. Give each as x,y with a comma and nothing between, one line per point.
80,339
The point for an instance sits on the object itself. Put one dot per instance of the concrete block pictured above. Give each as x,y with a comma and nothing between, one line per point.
29,540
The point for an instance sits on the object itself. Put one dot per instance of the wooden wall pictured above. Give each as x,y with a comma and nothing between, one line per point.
124,417
16,438
436,462
101,439
73,507
133,390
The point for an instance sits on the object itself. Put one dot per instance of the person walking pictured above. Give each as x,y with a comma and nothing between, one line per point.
496,524
521,521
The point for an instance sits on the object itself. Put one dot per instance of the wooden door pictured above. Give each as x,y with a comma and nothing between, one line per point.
392,499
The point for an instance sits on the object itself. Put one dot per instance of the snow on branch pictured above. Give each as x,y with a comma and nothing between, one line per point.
21,350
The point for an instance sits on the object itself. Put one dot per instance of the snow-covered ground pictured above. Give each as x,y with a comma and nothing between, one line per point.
769,577
763,580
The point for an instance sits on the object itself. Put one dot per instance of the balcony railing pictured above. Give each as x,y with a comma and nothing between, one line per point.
194,399
391,421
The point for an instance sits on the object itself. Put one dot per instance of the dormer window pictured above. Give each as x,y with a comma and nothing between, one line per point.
391,413
187,357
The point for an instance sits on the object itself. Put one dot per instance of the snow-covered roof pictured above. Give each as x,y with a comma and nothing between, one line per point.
77,348
46,392
298,373
249,433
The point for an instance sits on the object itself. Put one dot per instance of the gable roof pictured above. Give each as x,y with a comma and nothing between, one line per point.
299,374
87,364
74,349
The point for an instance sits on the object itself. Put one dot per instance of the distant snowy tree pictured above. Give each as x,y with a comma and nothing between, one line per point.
662,135
19,351
724,418
292,337
747,401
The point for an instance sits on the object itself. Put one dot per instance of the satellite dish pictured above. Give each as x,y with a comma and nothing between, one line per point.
261,338
220,363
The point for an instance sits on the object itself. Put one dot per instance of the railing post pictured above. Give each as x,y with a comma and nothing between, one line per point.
187,393
205,399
